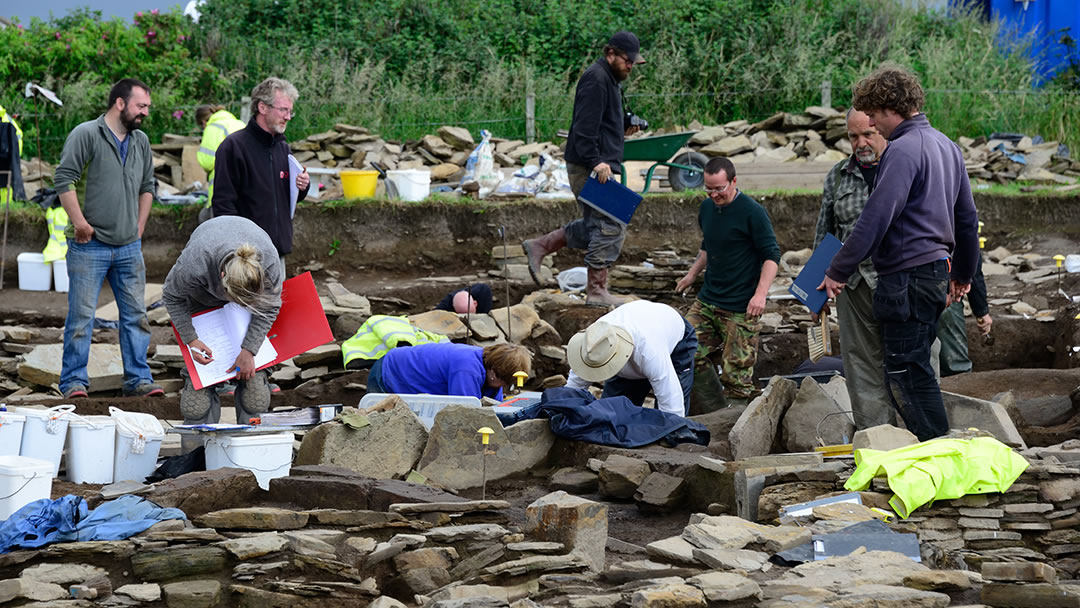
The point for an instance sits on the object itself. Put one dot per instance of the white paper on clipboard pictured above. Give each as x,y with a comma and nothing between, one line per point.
295,168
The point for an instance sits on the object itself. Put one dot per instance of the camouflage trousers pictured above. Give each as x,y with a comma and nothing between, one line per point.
728,340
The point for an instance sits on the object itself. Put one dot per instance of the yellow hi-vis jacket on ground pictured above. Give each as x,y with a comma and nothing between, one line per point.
380,333
220,125
6,192
56,248
938,469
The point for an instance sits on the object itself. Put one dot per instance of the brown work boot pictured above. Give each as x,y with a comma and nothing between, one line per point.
537,248
596,293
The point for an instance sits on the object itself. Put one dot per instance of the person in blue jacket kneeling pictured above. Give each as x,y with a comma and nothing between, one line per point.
449,369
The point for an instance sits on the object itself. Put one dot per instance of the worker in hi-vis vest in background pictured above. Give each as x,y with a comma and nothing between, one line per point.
6,191
217,123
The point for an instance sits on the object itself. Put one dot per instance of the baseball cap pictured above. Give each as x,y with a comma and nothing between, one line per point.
628,43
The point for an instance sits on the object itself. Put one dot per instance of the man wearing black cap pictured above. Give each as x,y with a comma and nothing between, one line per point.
595,145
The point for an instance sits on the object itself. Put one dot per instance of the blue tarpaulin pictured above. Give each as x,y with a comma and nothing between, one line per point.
68,519
616,421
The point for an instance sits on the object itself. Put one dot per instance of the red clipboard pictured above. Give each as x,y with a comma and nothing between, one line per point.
300,326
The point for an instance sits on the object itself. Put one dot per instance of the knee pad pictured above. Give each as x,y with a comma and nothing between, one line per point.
254,395
194,403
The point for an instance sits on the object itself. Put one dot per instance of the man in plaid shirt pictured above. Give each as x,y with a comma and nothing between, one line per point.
847,187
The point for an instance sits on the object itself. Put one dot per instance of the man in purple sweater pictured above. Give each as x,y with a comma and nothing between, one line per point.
920,227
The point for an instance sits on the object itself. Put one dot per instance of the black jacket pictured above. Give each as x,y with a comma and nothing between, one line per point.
9,161
251,179
596,130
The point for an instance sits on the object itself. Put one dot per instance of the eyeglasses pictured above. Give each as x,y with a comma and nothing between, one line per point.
712,191
288,112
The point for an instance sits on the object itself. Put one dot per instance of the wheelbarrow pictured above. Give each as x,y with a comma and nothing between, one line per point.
685,172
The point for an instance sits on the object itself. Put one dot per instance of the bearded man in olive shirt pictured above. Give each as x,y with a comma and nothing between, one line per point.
740,258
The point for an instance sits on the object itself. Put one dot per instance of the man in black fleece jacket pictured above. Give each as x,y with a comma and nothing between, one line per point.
595,144
251,169
921,226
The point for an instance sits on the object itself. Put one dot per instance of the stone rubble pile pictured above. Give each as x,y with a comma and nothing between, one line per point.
1004,161
33,173
326,535
176,165
817,134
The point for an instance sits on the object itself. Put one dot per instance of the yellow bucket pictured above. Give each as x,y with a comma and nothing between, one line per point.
359,184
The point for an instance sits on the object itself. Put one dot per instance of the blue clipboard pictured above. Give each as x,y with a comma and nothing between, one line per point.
805,287
611,198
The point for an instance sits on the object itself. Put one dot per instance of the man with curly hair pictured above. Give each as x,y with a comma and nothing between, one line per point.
921,227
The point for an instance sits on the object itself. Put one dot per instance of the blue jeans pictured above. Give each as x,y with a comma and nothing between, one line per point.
908,304
683,360
88,265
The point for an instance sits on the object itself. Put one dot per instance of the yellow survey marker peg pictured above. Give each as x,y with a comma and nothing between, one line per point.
485,434
982,242
520,376
1059,260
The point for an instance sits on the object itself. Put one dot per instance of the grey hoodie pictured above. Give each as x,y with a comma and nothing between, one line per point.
194,283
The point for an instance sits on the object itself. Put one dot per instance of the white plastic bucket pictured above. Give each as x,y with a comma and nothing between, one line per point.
60,277
44,433
11,430
22,481
91,449
268,456
34,272
412,184
138,442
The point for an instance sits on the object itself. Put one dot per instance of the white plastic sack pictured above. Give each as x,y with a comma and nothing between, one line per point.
480,166
573,279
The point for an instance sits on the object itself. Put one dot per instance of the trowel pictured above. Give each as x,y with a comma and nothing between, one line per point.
391,187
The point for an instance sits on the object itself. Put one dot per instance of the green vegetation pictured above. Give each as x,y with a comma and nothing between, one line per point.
404,67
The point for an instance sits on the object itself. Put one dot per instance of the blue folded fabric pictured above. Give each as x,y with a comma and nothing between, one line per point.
615,421
68,519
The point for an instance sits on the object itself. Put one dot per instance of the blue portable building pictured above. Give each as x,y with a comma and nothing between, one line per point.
1048,21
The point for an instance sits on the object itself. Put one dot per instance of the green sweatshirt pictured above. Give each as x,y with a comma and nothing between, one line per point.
737,238
108,191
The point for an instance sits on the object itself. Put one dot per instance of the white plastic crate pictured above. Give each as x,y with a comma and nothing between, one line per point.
424,406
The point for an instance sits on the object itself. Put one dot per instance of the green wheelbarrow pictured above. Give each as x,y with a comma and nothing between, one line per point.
685,171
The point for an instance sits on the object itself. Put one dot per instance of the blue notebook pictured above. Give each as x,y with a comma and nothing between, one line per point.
611,198
805,286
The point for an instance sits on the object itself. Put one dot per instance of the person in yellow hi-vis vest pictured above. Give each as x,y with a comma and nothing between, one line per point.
56,248
378,335
6,192
217,123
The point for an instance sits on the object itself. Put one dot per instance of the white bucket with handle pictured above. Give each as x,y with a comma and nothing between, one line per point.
138,442
44,433
11,428
90,449
22,481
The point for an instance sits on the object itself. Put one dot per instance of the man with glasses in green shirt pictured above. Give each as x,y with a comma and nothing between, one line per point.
740,258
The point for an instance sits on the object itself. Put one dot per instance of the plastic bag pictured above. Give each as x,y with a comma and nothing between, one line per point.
480,166
175,466
558,182
573,279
